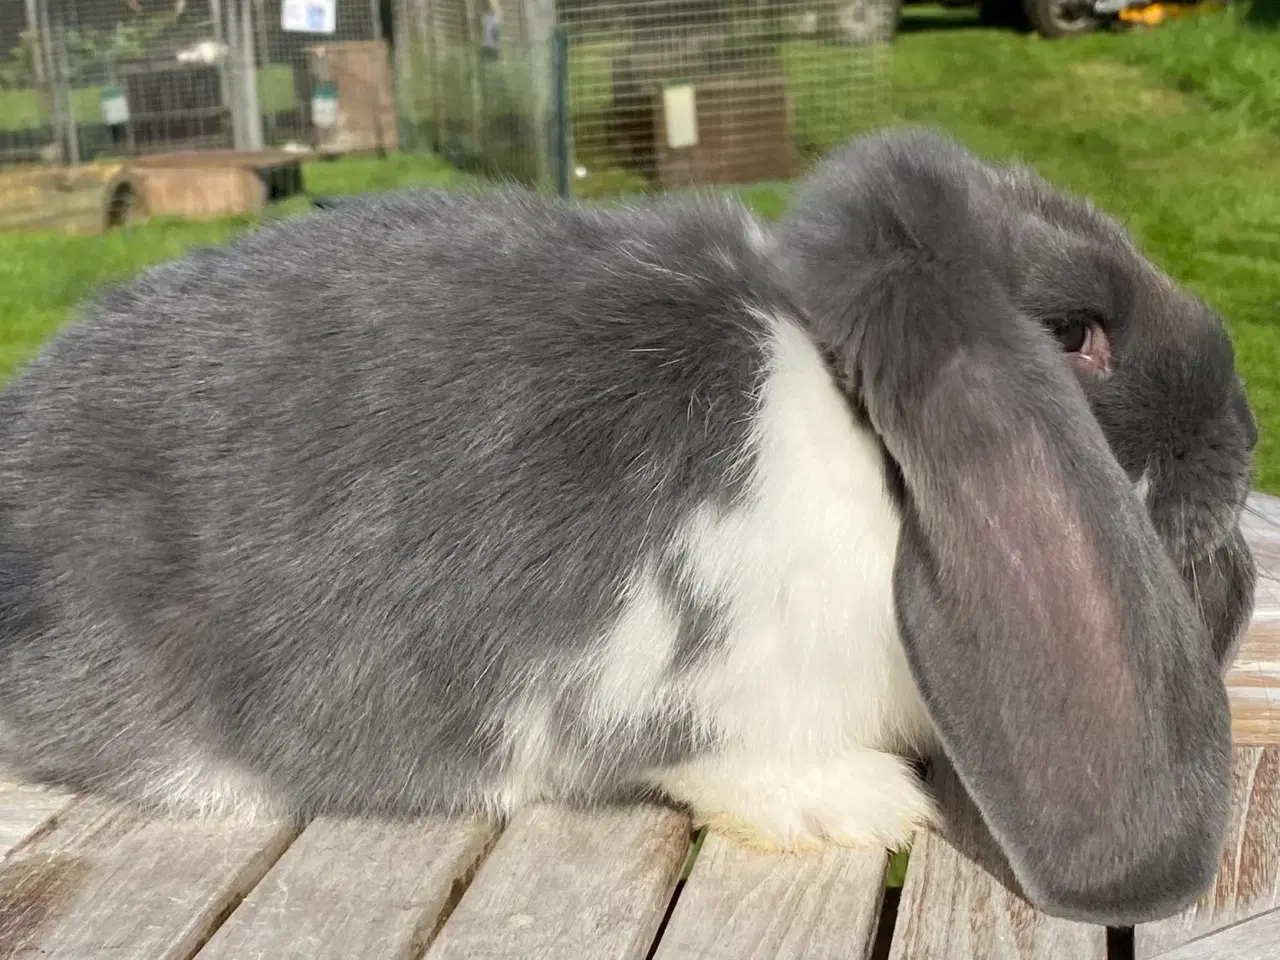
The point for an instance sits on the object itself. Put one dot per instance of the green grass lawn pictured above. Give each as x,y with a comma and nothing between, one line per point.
1175,130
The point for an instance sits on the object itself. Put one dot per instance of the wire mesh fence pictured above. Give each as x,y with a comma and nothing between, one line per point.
474,78
609,94
81,79
90,78
326,84
658,93
674,93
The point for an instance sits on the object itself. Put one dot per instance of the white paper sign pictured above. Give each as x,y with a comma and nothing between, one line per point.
115,108
309,16
681,111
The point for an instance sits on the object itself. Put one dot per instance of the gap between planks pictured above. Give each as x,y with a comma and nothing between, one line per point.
351,888
98,879
959,901
558,884
564,884
1254,939
1248,880
561,884
741,904
26,811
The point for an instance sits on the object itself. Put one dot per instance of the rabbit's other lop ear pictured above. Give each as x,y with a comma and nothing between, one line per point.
1068,672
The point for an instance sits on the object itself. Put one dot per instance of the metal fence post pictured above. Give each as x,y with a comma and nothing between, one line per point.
33,25
262,60
540,23
235,69
380,139
220,38
560,69
405,101
252,105
246,112
40,67
436,54
54,33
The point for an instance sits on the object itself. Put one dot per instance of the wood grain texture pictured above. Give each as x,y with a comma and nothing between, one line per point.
1256,939
959,901
740,904
25,811
564,884
1253,681
1261,526
1248,882
355,889
104,883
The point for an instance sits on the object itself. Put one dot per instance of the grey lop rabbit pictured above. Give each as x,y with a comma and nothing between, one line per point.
443,504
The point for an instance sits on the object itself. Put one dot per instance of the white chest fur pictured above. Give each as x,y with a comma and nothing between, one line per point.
808,694
812,695
814,662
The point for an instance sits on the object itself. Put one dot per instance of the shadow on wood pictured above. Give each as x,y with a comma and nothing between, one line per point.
964,829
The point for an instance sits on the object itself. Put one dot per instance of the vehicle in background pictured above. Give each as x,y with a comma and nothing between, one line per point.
1065,18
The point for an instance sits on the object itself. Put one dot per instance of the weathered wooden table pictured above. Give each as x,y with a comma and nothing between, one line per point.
81,879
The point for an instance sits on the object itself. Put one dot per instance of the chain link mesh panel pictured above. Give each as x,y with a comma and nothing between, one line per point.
94,78
675,93
83,79
474,79
662,93
332,91
26,133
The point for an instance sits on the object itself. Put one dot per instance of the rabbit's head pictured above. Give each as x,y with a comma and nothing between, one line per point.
1159,374
1070,444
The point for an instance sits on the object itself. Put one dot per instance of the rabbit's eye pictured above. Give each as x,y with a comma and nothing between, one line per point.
1074,336
1086,343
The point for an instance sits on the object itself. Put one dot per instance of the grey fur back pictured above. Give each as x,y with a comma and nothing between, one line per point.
315,508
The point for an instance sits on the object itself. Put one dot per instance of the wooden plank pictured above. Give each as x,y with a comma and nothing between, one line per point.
103,882
1254,939
739,903
26,810
564,884
1253,684
959,899
351,889
1248,882
1253,681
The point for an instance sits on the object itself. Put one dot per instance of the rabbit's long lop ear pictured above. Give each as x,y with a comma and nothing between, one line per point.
1071,678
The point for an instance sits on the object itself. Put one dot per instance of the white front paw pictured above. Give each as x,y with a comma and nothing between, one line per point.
861,798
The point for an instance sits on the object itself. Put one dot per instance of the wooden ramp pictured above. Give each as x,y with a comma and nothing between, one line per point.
81,879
